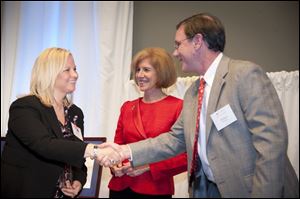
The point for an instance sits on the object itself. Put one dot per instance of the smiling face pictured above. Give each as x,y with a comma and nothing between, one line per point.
66,80
146,76
184,50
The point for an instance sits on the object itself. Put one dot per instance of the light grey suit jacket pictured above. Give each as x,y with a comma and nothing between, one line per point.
248,158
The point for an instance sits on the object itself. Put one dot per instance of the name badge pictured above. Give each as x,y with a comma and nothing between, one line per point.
223,117
77,131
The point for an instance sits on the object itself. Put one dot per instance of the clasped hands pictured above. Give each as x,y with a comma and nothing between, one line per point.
126,169
110,154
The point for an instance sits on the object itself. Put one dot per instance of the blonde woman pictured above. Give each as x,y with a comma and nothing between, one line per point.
44,153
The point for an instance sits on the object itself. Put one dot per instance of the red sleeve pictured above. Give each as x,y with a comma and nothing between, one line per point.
119,131
179,108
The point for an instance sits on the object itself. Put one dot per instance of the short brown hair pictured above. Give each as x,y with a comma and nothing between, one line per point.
209,26
161,61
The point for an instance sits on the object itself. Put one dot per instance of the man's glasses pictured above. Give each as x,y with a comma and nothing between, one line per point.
178,43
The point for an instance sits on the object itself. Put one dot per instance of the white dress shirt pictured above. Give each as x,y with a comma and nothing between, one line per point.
208,77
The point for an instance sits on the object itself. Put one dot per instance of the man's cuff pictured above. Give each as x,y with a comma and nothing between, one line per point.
130,153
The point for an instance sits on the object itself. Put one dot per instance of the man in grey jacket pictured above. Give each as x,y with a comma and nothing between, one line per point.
242,142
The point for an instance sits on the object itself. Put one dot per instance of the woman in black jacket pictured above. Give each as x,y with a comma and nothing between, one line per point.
44,154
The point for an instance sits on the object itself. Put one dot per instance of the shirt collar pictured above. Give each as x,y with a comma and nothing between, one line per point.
211,71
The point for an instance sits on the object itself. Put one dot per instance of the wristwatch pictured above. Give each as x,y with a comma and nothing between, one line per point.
95,151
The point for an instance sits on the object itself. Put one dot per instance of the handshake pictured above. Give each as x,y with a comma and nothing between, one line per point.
109,154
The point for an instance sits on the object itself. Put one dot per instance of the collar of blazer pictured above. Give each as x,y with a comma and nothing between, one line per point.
215,92
221,72
136,115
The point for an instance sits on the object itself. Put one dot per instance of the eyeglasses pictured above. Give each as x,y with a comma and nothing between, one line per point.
178,43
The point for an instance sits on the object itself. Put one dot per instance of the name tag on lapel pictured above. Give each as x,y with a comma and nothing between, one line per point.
77,131
223,117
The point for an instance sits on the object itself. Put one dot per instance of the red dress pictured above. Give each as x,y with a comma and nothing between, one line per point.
139,121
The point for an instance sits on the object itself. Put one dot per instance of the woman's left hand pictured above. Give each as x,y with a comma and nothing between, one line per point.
73,189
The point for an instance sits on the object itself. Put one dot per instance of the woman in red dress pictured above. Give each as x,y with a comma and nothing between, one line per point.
145,117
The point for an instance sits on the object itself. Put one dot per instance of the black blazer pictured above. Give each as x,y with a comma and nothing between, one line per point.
35,151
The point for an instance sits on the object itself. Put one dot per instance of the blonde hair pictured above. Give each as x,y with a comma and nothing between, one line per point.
161,61
46,68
